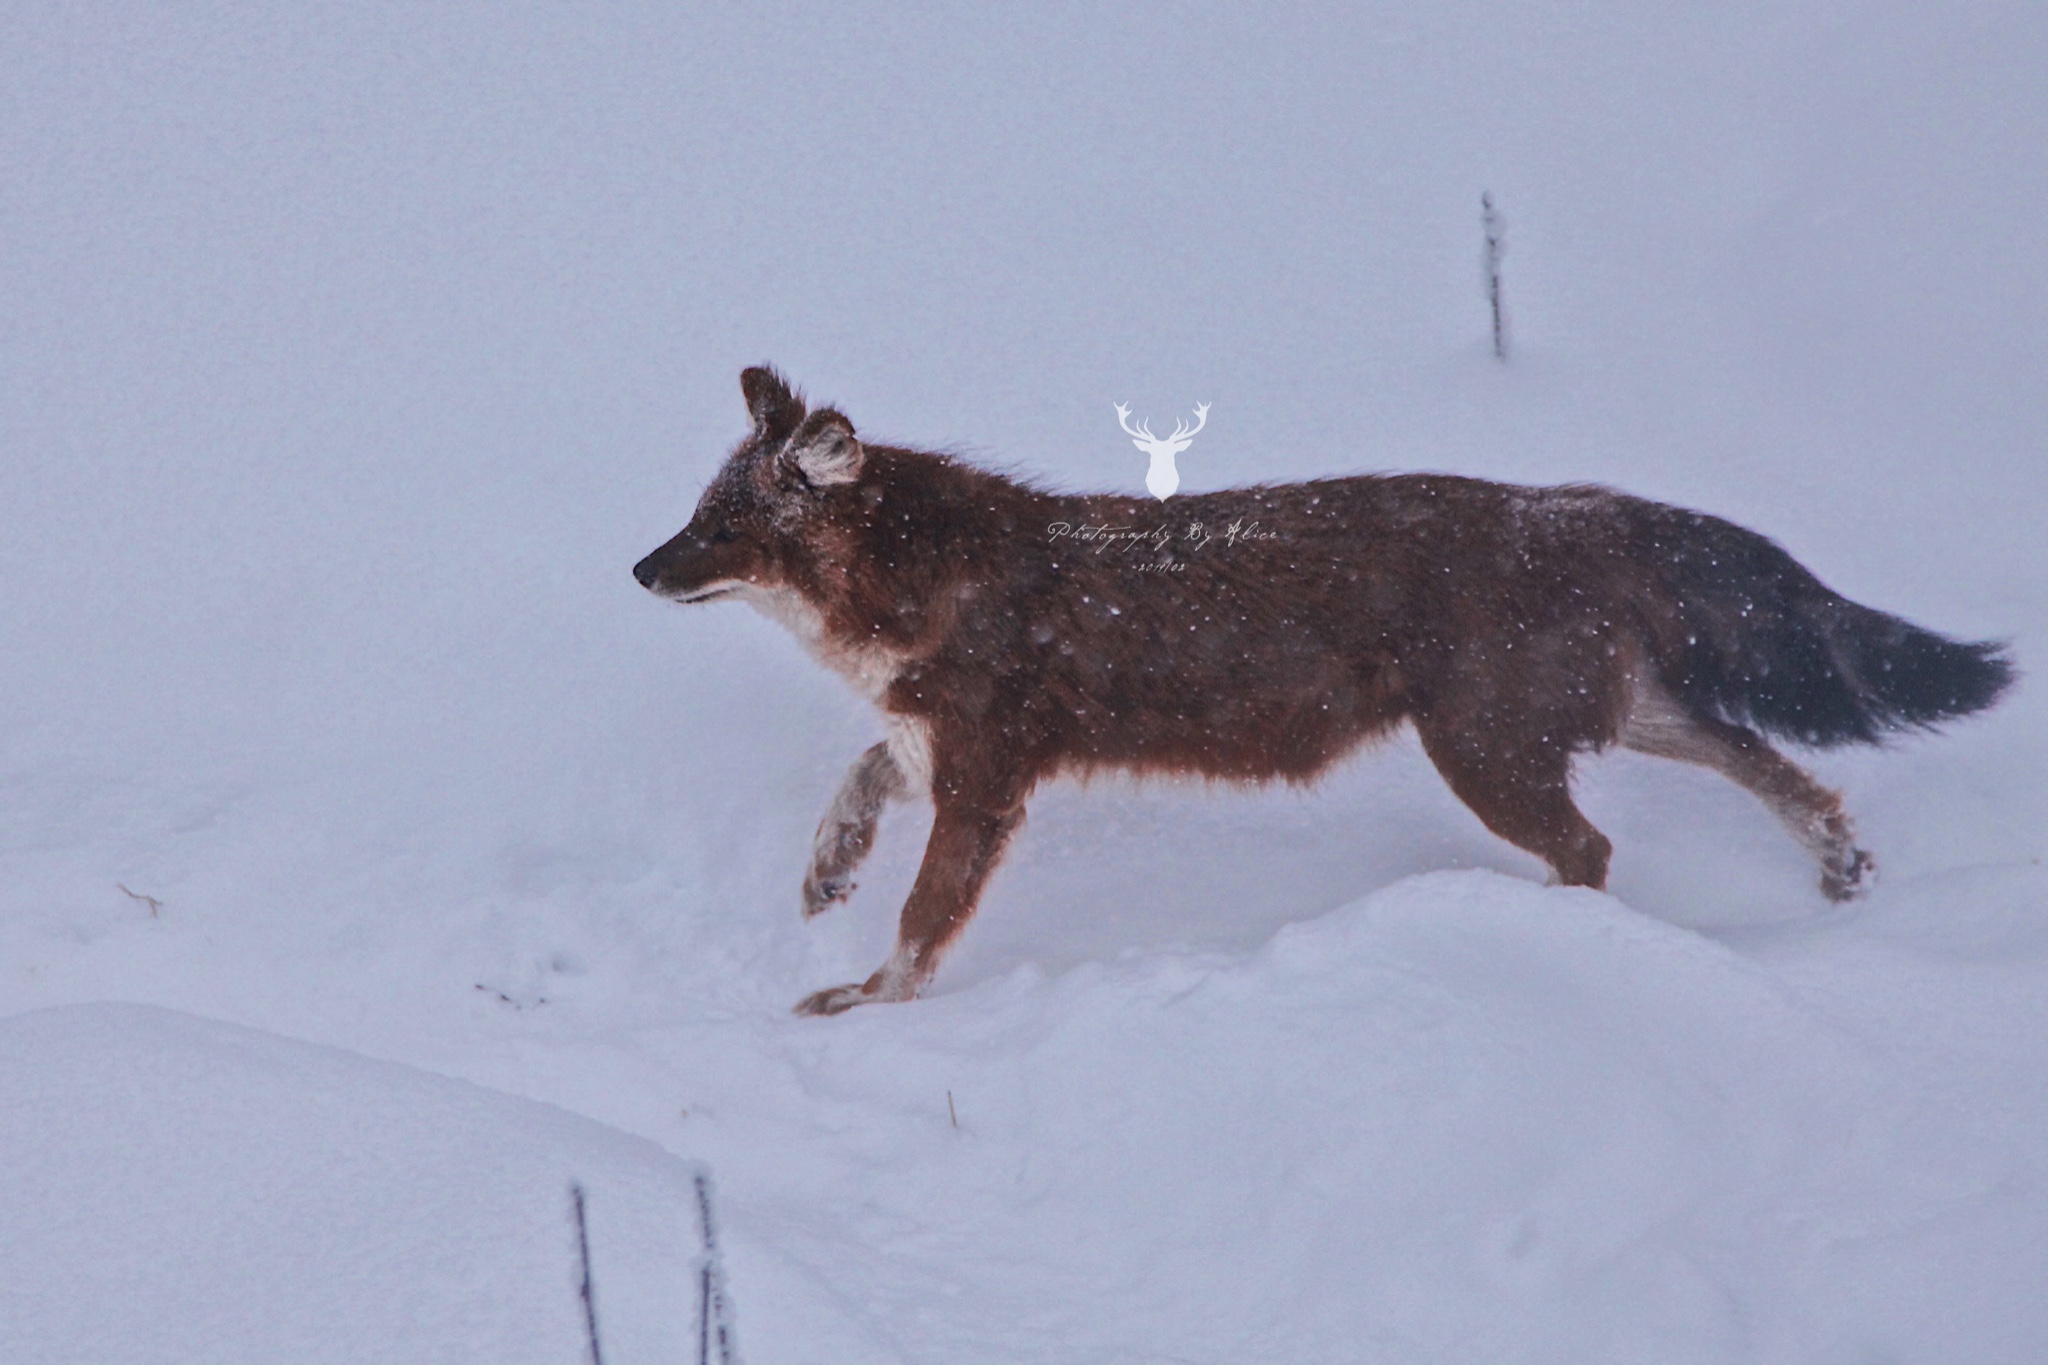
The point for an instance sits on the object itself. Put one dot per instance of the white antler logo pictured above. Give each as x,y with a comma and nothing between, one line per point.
1162,478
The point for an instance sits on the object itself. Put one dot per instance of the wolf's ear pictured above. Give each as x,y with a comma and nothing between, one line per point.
776,410
824,450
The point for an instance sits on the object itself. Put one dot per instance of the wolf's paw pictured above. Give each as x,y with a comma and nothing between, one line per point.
1847,875
884,987
837,1000
822,893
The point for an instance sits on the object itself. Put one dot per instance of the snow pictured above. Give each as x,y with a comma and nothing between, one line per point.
179,1189
352,359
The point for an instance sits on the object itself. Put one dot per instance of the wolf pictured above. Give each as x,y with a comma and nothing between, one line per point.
1011,634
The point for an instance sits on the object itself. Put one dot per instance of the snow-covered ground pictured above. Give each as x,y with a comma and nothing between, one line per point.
350,358
186,1190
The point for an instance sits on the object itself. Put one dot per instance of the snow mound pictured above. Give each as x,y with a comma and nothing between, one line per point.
183,1190
1465,1118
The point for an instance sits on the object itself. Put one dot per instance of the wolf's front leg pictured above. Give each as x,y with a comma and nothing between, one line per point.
848,830
967,841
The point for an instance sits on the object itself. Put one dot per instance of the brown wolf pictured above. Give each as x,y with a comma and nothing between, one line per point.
1010,634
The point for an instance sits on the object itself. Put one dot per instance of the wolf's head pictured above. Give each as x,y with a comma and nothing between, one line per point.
756,520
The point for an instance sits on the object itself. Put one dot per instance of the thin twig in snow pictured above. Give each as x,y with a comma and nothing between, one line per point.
589,1294
1496,247
714,1311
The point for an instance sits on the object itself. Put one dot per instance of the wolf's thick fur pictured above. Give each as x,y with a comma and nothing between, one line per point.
1011,634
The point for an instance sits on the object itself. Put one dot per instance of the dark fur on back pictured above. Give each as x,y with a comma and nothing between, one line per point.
1012,634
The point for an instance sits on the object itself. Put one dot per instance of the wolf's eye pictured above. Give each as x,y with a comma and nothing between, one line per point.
724,535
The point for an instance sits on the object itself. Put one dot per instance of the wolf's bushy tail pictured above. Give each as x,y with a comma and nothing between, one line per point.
1757,640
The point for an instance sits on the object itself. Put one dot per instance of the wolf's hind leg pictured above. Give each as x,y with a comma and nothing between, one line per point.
848,830
1658,725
